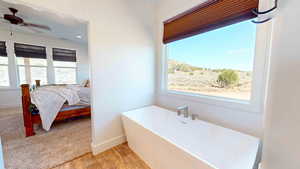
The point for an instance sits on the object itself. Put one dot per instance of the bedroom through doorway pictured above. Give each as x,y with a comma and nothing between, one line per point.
44,87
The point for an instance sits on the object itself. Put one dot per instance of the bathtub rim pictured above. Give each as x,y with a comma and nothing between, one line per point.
194,155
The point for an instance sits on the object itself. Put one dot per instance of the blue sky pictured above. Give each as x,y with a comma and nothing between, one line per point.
231,47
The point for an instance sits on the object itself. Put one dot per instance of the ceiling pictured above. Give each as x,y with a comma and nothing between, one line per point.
62,27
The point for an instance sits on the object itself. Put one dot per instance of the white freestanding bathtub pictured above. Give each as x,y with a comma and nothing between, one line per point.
167,141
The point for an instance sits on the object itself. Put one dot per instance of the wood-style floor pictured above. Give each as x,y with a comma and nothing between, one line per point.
120,157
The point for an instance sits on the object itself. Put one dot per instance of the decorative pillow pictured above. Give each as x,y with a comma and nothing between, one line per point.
33,109
86,83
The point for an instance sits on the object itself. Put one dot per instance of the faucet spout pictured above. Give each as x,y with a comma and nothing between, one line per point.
183,110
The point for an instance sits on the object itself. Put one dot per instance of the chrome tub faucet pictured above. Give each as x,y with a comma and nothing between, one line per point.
183,110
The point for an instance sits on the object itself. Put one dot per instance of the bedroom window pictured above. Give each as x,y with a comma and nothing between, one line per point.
4,80
31,69
65,72
210,50
65,66
31,63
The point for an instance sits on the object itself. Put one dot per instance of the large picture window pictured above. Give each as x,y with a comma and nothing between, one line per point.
217,63
211,48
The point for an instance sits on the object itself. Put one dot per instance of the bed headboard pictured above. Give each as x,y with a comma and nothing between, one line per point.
38,83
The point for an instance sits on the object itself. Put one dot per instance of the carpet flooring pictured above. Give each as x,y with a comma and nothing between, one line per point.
64,142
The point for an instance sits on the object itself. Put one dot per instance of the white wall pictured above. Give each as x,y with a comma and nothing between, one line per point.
11,97
122,57
282,133
1,156
239,118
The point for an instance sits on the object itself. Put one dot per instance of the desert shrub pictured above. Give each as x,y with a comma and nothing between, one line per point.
183,68
171,70
177,67
191,73
196,68
228,78
219,70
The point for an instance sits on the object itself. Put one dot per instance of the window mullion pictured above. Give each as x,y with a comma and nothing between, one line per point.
50,68
27,70
13,74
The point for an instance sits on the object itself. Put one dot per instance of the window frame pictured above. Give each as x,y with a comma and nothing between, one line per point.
259,77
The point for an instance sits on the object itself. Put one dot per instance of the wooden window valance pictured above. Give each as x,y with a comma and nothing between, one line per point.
208,16
30,51
64,55
3,51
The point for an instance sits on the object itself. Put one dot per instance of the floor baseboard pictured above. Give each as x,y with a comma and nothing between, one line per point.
101,147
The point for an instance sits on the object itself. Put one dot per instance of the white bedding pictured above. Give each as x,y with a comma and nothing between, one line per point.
49,100
84,95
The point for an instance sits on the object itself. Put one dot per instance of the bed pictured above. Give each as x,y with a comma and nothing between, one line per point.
30,118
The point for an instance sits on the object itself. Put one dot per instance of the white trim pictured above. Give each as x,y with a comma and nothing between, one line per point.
65,67
12,63
50,72
29,66
105,145
212,100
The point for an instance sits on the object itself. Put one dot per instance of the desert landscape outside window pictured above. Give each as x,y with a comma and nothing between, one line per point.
216,63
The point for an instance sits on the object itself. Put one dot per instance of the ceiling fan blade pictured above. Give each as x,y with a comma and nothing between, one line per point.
36,26
2,20
33,29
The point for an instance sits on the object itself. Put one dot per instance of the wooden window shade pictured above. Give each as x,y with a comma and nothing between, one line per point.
64,55
208,16
3,51
30,51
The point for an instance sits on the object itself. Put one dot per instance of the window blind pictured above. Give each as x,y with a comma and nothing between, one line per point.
64,55
3,51
30,51
208,16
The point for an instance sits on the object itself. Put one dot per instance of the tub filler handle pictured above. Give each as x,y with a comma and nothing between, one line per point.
195,117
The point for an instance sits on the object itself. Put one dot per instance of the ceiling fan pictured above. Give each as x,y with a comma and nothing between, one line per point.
15,20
